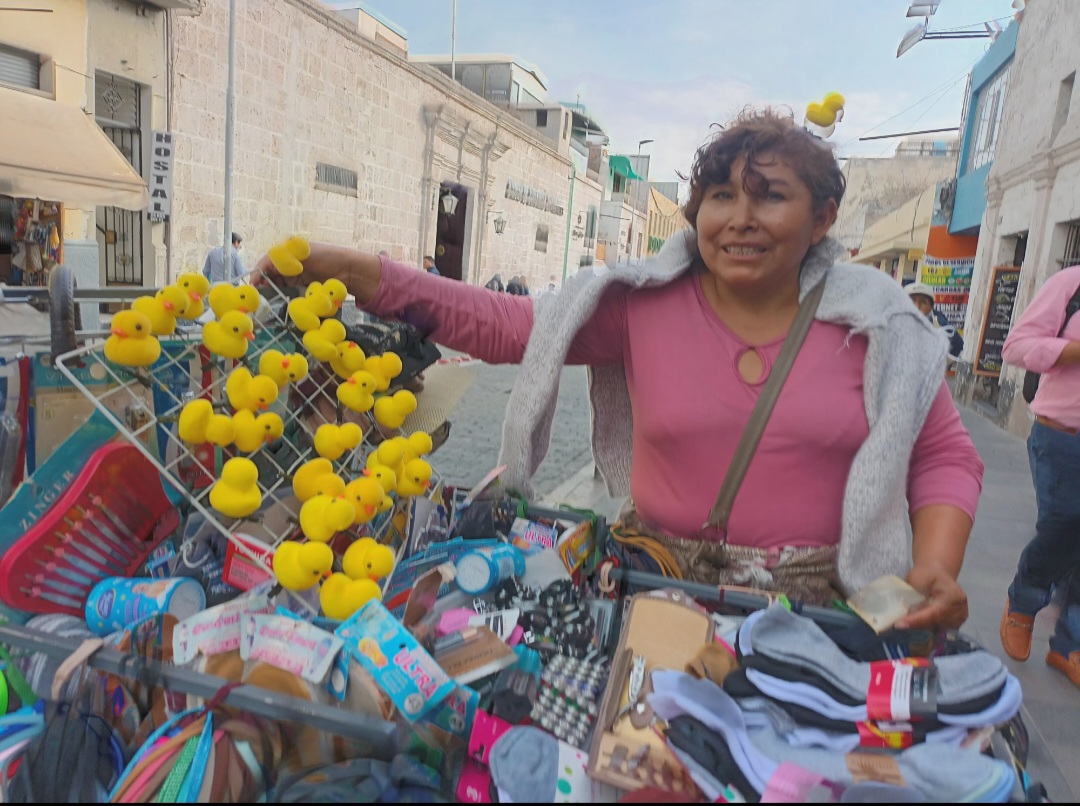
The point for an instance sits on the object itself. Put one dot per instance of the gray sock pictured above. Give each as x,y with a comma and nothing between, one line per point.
938,772
788,638
524,764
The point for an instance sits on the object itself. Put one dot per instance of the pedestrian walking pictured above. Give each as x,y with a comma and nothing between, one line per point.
214,267
1046,339
514,287
495,284
923,297
429,265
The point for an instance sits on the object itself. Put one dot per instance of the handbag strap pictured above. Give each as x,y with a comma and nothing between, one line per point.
759,417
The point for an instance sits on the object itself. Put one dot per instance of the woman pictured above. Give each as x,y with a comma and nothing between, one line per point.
864,447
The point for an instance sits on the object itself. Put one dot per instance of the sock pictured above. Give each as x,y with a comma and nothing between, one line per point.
809,697
740,688
760,712
793,674
937,771
792,639
709,750
524,764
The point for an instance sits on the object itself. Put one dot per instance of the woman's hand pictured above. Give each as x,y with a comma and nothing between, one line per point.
947,607
360,272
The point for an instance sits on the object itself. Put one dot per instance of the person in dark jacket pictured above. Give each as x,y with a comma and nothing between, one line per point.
495,284
514,286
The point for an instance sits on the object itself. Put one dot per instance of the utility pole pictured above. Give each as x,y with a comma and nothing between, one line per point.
230,120
453,42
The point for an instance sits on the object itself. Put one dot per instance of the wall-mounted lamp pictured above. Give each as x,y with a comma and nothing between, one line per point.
500,223
449,203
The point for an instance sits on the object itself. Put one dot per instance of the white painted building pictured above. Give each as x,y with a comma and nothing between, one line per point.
1032,218
104,61
359,149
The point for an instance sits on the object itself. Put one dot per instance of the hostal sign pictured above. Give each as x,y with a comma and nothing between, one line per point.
161,166
531,197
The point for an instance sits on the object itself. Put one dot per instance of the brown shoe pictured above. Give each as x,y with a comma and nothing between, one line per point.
1070,666
1015,633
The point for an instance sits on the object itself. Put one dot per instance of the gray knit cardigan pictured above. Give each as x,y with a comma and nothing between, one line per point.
905,362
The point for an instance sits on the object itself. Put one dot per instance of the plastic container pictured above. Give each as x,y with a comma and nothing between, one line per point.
480,570
118,603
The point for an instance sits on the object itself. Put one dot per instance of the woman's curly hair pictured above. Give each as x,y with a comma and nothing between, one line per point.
753,134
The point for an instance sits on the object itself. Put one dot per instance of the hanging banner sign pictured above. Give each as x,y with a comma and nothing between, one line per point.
161,175
951,280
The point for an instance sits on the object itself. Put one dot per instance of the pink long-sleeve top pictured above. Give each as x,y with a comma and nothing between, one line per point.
1034,344
691,404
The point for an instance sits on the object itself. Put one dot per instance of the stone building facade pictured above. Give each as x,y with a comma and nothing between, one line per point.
343,140
1032,218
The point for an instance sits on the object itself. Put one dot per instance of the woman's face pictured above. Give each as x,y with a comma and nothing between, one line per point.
756,243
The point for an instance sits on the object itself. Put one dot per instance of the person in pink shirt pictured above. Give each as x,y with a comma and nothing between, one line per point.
864,467
1046,339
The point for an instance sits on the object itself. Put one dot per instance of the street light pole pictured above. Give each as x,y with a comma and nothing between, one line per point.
453,42
230,120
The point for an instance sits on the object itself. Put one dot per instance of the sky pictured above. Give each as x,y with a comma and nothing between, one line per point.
666,70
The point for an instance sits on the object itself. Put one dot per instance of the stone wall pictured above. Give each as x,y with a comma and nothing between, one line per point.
310,89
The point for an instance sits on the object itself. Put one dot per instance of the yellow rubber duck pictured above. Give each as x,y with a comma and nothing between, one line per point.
199,424
349,359
337,292
386,476
132,344
300,566
230,337
356,392
236,494
390,453
321,302
163,309
249,297
287,257
223,298
340,596
283,368
250,392
323,516
322,341
315,477
196,286
416,445
366,495
385,368
415,478
331,441
367,559
253,432
391,411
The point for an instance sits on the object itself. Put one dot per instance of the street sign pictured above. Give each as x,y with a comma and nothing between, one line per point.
161,168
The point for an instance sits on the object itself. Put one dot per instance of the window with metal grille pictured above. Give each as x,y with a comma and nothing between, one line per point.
1071,257
121,233
20,68
335,179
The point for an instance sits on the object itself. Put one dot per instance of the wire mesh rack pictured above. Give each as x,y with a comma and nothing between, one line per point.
144,406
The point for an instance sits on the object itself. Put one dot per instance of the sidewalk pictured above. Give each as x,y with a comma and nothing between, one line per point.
1004,525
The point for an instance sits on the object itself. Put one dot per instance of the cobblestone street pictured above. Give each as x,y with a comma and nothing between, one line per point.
476,431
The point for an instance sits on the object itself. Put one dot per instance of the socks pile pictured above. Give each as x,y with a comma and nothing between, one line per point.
793,718
929,771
